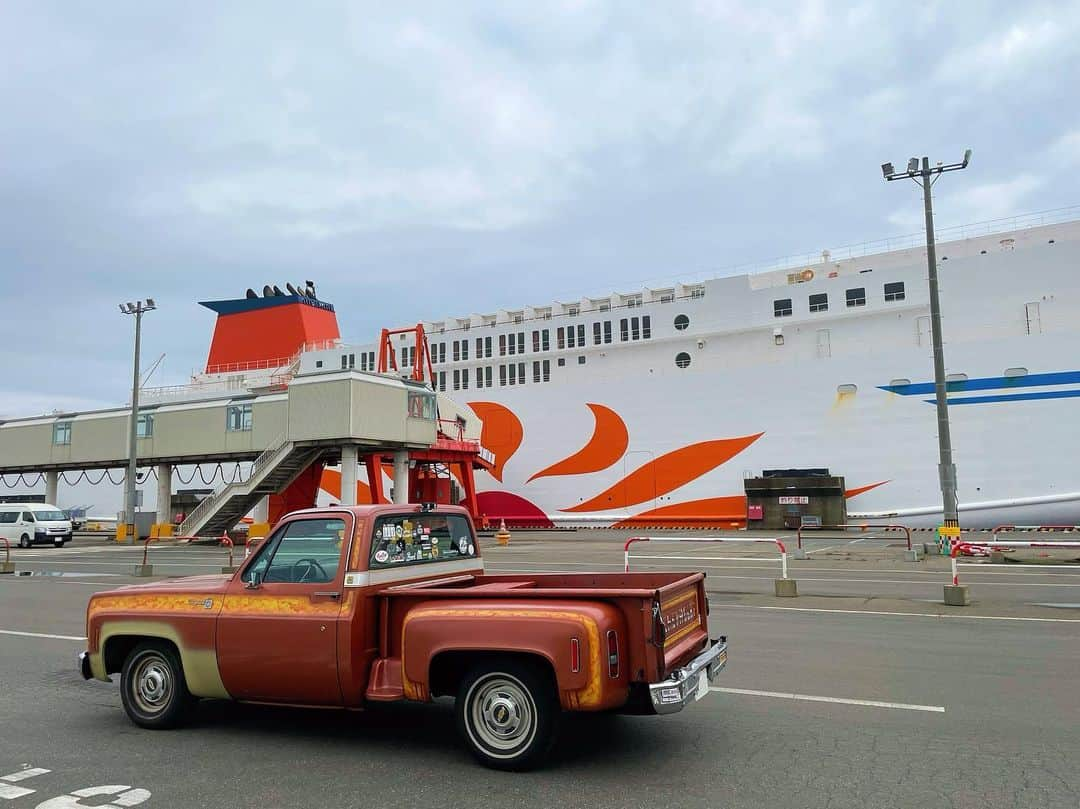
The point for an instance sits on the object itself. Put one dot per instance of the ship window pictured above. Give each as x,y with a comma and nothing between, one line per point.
856,296
697,292
371,358
547,370
487,376
560,337
502,345
536,371
819,303
573,311
457,379
570,341
352,360
682,360
513,374
465,379
635,327
633,300
464,349
521,373
502,375
581,360
607,331
581,335
596,333
536,341
479,348
457,351
521,342
545,342
682,322
318,363
442,380
344,362
562,361
513,344
894,291
646,327
624,329
61,434
781,307
479,377
238,418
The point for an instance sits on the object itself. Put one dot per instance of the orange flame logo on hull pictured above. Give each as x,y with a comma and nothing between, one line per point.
609,441
501,433
667,473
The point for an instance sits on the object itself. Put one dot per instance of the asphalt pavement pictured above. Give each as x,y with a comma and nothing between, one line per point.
864,692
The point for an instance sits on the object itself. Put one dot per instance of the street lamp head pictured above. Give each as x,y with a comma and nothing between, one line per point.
123,308
150,303
967,159
913,165
130,307
887,170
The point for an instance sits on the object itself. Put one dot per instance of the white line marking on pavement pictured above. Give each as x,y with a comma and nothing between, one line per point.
22,775
904,614
40,635
9,792
870,703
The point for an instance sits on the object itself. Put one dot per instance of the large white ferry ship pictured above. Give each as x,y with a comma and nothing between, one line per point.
653,405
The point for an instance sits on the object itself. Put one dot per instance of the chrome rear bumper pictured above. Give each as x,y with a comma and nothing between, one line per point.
691,682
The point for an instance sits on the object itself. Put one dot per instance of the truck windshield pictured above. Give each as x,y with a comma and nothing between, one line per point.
404,539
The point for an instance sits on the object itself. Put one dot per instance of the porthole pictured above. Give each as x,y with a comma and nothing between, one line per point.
682,360
682,322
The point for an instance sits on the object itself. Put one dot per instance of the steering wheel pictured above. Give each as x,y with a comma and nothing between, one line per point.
311,564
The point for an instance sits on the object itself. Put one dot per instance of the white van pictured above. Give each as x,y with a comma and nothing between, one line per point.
25,524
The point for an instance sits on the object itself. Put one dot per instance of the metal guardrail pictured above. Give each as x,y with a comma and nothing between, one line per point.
863,526
710,540
1002,529
992,545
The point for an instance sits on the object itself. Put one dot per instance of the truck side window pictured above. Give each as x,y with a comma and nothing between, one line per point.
406,539
303,552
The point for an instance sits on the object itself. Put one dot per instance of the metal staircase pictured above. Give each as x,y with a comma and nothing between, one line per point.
277,467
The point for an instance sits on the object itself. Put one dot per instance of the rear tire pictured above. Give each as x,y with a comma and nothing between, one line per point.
508,714
24,541
153,688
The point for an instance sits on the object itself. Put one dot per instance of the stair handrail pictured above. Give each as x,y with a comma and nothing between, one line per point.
207,503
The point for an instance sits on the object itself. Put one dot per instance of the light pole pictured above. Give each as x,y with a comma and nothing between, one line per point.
926,175
136,309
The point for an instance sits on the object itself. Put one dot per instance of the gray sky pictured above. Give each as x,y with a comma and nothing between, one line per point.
510,153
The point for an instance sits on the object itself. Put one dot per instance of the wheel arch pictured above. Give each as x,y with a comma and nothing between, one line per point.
448,667
118,638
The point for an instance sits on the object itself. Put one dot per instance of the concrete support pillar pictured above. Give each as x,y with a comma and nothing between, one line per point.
164,494
52,484
349,472
401,477
262,510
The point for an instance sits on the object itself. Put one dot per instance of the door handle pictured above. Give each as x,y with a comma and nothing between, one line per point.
327,594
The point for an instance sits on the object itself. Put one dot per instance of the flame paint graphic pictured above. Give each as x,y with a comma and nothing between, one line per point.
502,433
608,443
667,473
859,490
331,484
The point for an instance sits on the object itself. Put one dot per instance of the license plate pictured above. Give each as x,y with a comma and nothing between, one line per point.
702,685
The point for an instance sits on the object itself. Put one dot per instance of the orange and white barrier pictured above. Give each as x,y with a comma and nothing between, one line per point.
984,548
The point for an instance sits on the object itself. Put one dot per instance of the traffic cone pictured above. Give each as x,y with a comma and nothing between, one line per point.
502,536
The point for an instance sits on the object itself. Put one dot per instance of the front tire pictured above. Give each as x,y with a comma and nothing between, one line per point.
153,689
508,714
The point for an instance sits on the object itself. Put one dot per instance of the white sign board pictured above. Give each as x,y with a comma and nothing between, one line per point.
794,500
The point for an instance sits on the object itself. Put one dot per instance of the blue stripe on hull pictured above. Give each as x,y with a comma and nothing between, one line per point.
989,383
1013,397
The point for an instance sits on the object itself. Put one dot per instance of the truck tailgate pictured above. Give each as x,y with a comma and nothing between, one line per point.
679,614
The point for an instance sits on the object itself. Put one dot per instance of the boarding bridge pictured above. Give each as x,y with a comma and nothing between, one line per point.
283,430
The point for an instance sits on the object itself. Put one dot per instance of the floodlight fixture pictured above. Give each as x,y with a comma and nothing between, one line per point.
887,170
967,158
913,165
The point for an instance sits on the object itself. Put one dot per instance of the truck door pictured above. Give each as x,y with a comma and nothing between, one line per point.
277,630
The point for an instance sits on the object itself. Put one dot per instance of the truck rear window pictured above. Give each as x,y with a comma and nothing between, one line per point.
406,539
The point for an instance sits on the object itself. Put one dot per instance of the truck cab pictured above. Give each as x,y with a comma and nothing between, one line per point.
344,607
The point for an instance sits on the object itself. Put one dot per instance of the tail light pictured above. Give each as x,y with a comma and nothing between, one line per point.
575,655
613,654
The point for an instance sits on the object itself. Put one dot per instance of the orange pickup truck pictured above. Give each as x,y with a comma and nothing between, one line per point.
347,606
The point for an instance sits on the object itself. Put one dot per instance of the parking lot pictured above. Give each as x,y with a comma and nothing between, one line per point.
865,691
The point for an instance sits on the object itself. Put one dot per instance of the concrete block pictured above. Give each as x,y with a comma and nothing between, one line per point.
143,570
914,555
957,595
931,549
7,567
799,553
786,588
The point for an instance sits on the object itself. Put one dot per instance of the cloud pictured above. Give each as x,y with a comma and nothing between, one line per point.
979,203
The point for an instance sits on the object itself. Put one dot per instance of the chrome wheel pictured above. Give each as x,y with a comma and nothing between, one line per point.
152,684
502,714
